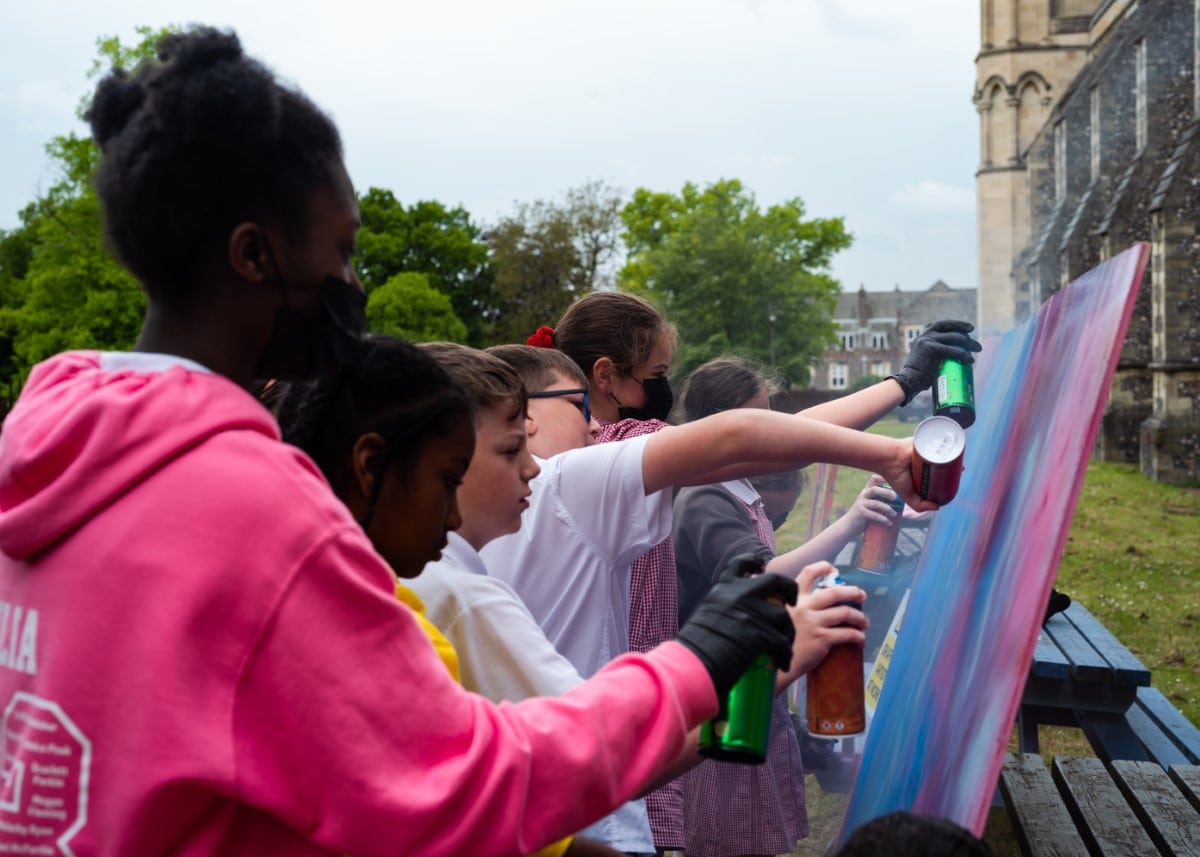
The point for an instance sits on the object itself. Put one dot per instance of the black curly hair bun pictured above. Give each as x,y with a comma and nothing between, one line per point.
196,141
117,98
199,47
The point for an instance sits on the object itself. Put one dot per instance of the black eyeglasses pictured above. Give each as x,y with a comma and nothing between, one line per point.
586,410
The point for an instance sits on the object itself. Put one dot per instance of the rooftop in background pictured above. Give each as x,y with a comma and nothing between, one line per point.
875,329
907,307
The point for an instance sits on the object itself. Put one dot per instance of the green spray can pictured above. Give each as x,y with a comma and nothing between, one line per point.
742,727
954,393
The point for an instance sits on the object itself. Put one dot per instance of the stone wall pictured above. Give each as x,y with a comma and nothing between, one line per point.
1137,194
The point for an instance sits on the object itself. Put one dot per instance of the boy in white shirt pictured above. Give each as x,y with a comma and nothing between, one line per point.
594,510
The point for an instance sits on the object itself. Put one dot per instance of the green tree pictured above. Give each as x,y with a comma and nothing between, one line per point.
61,288
721,268
427,238
409,307
548,254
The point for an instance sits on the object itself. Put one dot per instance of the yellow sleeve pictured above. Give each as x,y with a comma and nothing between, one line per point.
441,645
556,849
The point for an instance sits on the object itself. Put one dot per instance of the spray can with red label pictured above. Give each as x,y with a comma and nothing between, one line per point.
937,458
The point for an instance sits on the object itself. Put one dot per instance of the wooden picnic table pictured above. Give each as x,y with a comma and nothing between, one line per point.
1082,676
1083,807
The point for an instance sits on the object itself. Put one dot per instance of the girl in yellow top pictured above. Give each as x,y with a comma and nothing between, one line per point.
394,436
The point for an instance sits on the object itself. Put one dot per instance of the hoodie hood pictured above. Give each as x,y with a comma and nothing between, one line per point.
80,436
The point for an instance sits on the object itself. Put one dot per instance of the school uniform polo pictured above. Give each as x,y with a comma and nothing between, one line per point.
588,519
503,655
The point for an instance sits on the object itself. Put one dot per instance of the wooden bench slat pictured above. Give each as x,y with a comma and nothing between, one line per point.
1172,722
1112,736
1159,745
1168,817
1048,659
1127,668
1187,777
1040,818
1106,820
1087,664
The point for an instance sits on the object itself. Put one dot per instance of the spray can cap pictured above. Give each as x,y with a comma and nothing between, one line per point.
834,578
897,502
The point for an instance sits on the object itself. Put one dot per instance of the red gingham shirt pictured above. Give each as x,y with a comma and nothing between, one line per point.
653,619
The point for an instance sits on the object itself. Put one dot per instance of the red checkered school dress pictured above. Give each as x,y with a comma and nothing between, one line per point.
733,809
653,619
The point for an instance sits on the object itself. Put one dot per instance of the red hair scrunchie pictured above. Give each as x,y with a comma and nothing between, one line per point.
543,337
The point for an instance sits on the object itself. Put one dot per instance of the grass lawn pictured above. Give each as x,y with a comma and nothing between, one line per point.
1132,557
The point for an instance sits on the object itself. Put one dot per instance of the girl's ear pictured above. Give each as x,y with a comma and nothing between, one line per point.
363,458
248,252
604,372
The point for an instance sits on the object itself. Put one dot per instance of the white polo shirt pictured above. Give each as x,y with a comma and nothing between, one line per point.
588,519
503,655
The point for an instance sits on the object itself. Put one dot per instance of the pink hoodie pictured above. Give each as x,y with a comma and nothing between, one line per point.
201,654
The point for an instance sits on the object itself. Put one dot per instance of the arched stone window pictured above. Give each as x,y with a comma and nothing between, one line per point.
1033,105
996,123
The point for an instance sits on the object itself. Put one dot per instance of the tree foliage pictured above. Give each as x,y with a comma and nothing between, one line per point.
548,254
430,239
60,287
409,307
721,268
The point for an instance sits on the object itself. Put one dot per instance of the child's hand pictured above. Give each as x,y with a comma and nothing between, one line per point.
873,503
897,472
823,619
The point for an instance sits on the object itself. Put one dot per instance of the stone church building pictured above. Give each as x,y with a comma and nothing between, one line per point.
1089,111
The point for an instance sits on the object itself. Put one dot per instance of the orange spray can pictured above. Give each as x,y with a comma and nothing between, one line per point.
879,541
836,701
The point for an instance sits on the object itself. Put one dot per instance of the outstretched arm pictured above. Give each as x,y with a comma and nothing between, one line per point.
748,441
939,341
871,504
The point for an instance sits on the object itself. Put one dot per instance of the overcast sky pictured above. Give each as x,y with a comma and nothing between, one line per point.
862,108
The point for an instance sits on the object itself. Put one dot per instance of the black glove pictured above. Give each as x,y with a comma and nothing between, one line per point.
940,340
741,618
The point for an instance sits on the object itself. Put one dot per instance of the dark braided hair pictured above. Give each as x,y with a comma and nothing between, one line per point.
390,387
195,143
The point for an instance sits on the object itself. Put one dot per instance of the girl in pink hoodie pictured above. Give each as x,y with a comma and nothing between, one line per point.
200,653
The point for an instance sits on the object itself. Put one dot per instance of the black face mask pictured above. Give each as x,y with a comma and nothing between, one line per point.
303,347
779,519
659,399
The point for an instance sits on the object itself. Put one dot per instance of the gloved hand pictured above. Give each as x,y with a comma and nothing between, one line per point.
940,340
741,618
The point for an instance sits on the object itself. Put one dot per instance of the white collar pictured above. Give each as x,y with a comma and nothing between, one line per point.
144,361
743,490
462,555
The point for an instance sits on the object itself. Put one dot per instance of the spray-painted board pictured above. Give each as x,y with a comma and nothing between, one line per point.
954,684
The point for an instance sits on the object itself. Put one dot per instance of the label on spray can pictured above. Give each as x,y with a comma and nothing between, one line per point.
937,458
954,392
836,705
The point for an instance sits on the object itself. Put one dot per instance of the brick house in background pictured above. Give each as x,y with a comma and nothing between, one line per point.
875,329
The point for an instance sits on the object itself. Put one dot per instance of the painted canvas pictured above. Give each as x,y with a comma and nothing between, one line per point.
952,689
